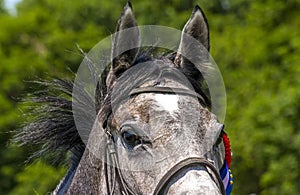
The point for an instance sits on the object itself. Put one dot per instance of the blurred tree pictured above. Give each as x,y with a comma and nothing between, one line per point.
257,50
37,179
40,42
2,10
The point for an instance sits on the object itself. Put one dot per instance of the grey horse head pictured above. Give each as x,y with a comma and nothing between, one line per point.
154,132
156,121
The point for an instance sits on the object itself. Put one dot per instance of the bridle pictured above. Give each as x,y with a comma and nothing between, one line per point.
168,90
187,163
112,158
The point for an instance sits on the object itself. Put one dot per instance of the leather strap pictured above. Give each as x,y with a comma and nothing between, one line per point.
170,90
186,163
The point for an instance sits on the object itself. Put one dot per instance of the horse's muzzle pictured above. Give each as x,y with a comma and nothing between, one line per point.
191,176
192,181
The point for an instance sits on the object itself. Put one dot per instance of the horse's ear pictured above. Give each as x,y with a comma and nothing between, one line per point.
197,29
126,42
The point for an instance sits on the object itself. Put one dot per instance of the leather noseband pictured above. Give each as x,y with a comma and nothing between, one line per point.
192,161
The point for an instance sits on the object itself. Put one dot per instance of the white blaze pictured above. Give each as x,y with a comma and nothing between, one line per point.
168,101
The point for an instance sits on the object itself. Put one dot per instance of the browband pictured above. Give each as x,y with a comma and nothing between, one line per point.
170,90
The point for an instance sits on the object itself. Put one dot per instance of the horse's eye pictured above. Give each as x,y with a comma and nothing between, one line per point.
130,138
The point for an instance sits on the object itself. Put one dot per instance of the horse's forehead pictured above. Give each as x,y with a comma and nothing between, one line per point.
153,104
153,107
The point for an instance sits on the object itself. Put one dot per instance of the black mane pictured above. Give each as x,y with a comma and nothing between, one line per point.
51,125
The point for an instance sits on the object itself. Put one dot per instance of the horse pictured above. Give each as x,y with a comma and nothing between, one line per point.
153,132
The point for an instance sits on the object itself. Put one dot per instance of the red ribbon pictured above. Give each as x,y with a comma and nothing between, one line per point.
226,142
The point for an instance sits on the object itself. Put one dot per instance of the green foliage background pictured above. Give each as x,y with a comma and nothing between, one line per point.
255,43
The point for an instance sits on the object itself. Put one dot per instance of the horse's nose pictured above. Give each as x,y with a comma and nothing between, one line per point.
192,182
